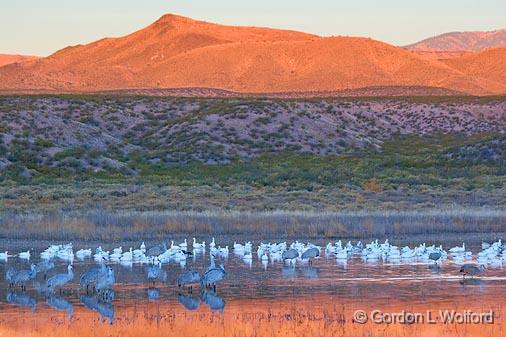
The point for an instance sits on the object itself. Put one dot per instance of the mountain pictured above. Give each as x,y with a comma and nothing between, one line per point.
462,41
490,63
8,59
178,52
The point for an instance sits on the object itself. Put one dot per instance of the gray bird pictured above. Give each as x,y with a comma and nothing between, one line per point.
105,280
90,276
21,276
59,280
435,256
156,250
311,253
189,277
156,273
290,254
213,276
9,276
471,269
44,266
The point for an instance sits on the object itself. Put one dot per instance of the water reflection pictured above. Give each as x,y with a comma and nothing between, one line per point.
214,301
22,300
105,309
189,302
310,272
61,304
153,294
263,296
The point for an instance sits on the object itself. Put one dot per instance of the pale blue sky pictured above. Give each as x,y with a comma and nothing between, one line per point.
40,27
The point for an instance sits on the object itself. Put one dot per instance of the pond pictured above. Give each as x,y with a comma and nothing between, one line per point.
325,297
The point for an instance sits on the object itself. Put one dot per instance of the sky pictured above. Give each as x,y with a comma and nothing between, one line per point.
40,27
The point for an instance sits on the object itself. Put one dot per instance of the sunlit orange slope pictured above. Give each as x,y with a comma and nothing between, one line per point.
177,52
9,59
490,64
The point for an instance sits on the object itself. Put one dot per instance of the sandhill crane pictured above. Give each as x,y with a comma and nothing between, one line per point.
105,280
155,272
189,277
311,253
59,280
471,269
189,302
156,250
290,254
213,276
44,266
435,256
90,276
20,277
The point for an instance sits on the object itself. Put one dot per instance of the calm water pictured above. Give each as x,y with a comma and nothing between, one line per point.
257,300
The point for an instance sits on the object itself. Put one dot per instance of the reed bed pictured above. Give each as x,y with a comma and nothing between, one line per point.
130,225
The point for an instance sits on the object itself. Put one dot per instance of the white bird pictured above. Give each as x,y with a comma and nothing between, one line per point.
458,249
24,255
197,245
81,254
4,256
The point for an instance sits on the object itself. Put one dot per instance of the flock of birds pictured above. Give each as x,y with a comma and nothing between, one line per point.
97,282
102,278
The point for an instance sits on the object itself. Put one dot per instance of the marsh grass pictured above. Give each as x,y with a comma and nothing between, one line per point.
131,225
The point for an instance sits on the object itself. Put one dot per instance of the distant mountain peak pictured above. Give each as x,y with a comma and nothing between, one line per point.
170,18
462,41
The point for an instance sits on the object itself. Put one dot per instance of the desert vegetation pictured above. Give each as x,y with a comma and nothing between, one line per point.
104,154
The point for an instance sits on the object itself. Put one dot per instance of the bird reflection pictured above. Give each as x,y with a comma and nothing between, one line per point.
289,271
311,272
105,309
214,301
435,268
61,304
189,302
21,300
472,282
153,294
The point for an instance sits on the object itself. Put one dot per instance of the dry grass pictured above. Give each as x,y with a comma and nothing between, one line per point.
126,225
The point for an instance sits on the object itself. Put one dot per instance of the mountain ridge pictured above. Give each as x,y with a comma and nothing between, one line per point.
461,41
176,52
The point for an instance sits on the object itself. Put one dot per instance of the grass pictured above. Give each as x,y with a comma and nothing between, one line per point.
409,173
130,225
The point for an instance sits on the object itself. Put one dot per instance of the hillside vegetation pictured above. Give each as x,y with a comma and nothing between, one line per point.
148,153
